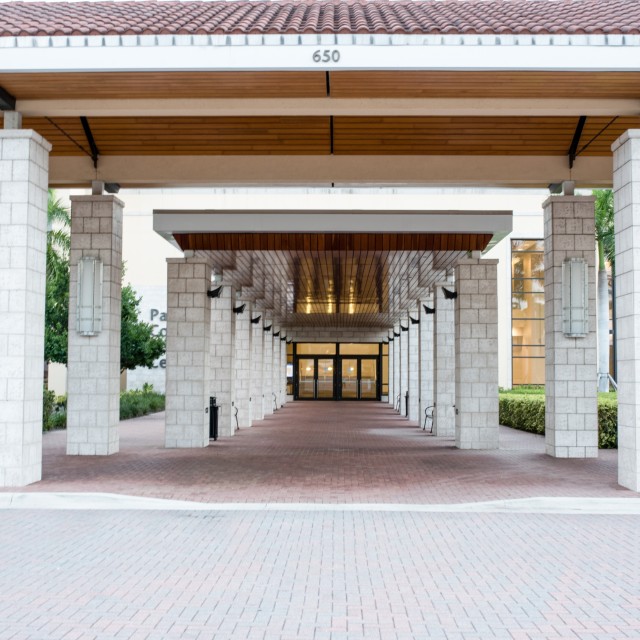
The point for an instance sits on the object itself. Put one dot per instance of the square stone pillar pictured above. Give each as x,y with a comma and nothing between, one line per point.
24,166
188,336
396,366
257,369
404,366
93,362
243,355
426,358
476,348
414,366
283,360
222,362
267,376
571,401
626,178
390,377
277,371
444,363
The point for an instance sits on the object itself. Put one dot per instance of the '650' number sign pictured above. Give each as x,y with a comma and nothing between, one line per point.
326,55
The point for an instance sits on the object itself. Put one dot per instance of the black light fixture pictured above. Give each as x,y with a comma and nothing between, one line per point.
391,339
215,293
266,328
397,335
404,328
255,320
283,339
276,334
239,309
385,341
414,320
449,295
290,341
428,310
112,187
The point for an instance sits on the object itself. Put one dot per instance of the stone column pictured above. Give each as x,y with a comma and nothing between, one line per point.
570,367
188,366
626,177
476,351
243,364
222,362
257,366
396,366
267,377
571,413
24,167
283,360
390,375
275,399
444,363
404,366
414,365
426,357
93,362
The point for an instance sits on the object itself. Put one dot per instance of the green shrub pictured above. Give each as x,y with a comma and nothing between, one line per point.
525,411
140,402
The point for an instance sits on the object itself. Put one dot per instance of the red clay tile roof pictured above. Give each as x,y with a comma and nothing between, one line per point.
328,16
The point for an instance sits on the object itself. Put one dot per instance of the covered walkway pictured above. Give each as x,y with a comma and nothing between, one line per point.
327,452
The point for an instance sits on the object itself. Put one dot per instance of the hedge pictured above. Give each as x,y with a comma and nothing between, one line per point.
526,412
133,404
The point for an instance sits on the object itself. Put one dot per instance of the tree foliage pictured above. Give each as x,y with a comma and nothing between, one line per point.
605,235
138,346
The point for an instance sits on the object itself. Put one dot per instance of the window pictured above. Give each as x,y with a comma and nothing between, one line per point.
527,311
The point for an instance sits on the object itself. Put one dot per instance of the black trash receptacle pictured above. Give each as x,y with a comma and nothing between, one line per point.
213,418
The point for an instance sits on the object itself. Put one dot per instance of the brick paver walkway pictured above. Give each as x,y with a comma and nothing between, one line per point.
327,452
320,573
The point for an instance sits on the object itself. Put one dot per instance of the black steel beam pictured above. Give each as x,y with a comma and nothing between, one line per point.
573,149
7,101
95,152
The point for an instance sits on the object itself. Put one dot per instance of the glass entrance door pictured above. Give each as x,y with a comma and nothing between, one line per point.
359,378
316,379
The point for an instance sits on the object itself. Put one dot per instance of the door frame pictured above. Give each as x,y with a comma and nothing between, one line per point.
296,377
358,359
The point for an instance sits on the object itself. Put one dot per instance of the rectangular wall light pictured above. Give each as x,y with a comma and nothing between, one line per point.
89,303
575,298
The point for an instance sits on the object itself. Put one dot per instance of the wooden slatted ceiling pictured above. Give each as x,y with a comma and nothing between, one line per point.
333,280
311,135
312,84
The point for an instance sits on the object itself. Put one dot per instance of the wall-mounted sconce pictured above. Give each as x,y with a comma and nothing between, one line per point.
215,293
397,335
575,298
240,309
266,328
391,339
255,320
404,328
276,334
428,310
283,339
290,341
89,303
414,320
385,341
449,295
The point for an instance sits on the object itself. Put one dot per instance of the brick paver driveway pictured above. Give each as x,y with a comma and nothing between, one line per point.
338,571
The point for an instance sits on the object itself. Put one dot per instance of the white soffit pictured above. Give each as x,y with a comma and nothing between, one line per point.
167,223
296,52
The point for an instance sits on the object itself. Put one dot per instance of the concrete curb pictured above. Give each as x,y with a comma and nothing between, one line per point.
112,501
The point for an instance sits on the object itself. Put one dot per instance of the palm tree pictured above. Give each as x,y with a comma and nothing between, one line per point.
58,229
605,239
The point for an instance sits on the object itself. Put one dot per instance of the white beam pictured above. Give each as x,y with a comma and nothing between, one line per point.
379,170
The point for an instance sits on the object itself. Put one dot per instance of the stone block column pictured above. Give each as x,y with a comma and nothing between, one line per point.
243,364
257,370
476,347
414,366
396,366
283,360
267,376
426,358
626,178
222,362
404,366
277,377
444,363
24,166
390,376
571,414
188,353
93,365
